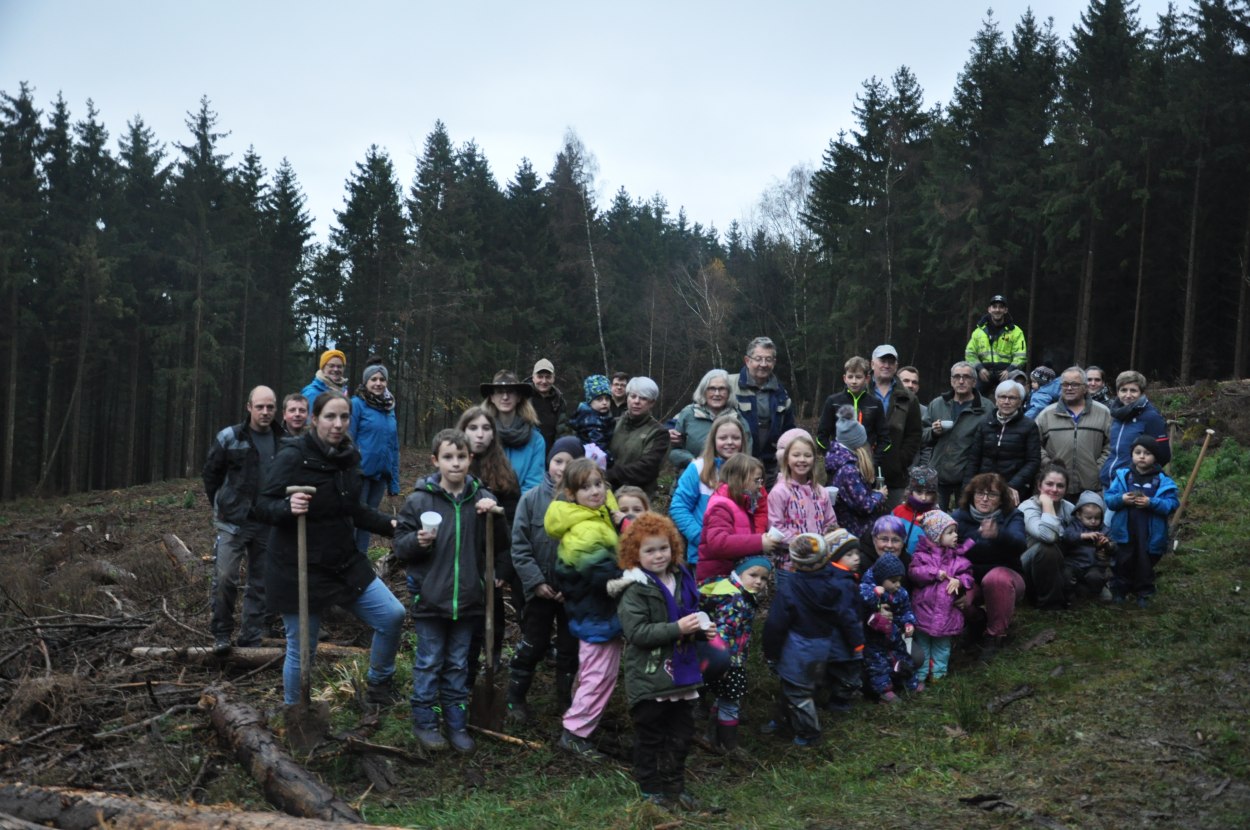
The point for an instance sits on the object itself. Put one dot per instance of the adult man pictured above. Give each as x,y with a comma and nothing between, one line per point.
237,461
902,411
909,376
294,414
548,402
764,402
1077,431
951,428
996,346
1097,380
620,400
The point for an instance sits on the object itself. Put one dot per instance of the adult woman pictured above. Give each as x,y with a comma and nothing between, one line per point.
1132,414
1007,442
1046,515
516,426
988,516
850,467
727,437
338,574
376,435
329,378
639,441
712,398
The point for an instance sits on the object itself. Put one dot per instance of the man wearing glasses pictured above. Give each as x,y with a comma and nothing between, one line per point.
1076,430
951,428
764,402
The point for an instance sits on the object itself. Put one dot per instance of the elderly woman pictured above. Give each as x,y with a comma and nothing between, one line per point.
375,431
338,574
1007,442
639,441
1132,414
988,516
1046,516
507,400
712,398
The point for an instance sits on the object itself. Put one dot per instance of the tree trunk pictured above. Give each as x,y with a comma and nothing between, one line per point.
1191,281
287,785
1034,267
130,448
242,389
248,658
1084,310
89,809
1243,298
10,400
1141,268
191,444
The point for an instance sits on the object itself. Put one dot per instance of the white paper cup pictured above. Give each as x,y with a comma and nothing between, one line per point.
430,521
774,533
947,424
705,622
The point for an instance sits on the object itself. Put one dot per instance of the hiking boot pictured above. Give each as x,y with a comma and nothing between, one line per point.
581,747
519,712
456,717
381,694
221,645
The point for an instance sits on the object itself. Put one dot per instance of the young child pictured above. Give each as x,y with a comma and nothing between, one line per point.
736,520
534,556
852,471
731,603
446,568
1088,549
940,573
593,422
814,635
921,497
889,623
658,605
1142,497
798,502
867,408
632,501
582,519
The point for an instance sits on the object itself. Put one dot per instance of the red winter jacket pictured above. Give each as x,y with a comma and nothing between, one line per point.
729,533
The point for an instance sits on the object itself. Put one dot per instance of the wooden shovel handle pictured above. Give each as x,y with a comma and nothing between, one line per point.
305,647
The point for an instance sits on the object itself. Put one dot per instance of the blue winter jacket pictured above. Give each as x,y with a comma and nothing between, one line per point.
814,619
1126,424
1163,503
529,462
1042,398
313,389
688,505
376,435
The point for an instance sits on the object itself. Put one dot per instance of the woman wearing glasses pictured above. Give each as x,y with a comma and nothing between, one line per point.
988,516
712,398
1007,442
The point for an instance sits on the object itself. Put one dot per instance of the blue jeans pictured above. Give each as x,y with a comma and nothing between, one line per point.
371,492
376,608
440,670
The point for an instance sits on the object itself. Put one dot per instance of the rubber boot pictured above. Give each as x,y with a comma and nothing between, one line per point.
518,688
456,716
425,728
564,690
727,740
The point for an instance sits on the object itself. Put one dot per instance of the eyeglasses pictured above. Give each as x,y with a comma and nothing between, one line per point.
767,360
961,377
718,390
985,494
1008,397
1071,385
758,479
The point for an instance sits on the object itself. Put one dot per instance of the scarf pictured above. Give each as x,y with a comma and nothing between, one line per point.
1006,420
980,517
342,456
515,434
1127,413
331,386
384,402
685,655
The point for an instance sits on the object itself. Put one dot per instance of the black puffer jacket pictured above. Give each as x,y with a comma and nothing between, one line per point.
1013,450
337,573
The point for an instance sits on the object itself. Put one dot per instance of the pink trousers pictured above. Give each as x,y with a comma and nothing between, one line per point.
596,679
1000,591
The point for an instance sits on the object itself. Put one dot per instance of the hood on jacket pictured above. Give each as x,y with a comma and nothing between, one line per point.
1090,497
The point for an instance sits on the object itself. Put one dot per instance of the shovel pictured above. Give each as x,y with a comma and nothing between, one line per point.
487,706
306,723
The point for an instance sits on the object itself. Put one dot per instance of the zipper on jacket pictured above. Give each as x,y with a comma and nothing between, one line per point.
455,568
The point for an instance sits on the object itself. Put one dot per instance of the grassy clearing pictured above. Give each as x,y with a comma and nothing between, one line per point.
1134,718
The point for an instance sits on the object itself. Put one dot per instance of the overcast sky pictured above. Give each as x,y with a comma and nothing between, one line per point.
705,103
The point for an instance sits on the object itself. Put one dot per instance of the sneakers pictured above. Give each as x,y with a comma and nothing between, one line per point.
580,747
799,740
221,645
888,696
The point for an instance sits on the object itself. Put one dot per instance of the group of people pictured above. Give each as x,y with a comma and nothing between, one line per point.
894,530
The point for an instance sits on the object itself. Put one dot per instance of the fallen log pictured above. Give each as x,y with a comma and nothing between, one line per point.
178,552
248,658
287,785
87,809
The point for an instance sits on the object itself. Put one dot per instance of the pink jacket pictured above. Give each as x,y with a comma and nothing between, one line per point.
729,533
936,614
794,509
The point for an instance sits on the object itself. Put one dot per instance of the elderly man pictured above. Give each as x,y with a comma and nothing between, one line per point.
902,411
548,402
237,462
764,402
1076,430
950,428
997,346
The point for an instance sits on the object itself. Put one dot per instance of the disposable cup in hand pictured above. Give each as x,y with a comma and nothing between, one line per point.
430,521
705,622
947,424
774,533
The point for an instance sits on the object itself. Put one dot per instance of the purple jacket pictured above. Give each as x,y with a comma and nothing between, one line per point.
936,614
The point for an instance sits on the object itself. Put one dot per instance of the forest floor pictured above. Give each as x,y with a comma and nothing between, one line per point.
1097,717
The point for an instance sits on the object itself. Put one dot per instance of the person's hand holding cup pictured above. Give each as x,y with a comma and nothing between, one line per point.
430,522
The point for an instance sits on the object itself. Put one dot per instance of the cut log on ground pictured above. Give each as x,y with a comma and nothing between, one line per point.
86,809
248,658
287,785
178,551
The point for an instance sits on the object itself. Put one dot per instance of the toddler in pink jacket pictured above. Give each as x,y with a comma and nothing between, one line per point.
940,573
